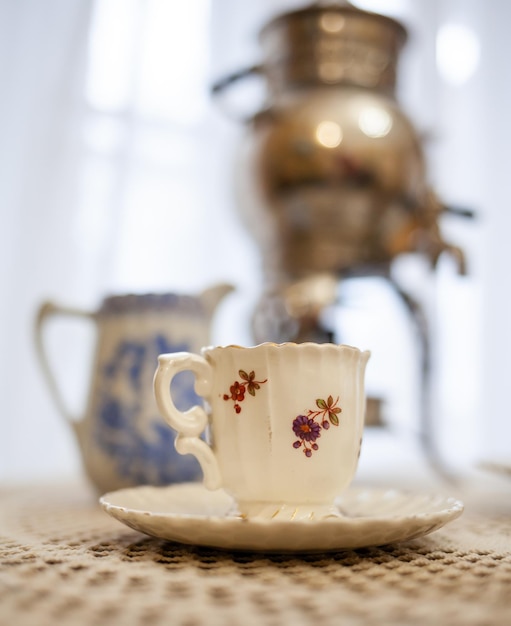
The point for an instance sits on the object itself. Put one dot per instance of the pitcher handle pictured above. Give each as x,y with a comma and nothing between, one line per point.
191,423
46,311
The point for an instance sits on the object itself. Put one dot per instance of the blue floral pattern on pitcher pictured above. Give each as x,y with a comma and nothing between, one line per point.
141,449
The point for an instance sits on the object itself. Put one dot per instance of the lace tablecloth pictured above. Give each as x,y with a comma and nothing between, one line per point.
63,560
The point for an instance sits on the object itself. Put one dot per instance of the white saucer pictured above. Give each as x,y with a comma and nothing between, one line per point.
189,513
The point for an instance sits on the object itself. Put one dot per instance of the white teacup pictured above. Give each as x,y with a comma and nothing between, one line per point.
286,423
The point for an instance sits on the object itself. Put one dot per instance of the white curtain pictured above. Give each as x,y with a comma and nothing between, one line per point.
113,181
43,61
115,172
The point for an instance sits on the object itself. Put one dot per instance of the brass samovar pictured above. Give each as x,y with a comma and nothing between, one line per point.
331,177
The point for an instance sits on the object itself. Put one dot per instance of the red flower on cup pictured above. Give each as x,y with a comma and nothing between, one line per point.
237,391
239,387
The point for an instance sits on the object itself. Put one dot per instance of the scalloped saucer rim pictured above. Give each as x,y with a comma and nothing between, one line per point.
499,466
188,513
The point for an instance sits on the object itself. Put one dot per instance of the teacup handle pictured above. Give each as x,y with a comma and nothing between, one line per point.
188,424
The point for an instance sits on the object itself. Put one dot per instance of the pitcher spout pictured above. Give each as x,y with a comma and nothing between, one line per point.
211,297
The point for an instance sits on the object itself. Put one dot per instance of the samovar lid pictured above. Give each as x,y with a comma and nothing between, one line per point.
332,43
344,9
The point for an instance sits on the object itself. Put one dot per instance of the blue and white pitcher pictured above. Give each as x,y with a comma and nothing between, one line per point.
122,438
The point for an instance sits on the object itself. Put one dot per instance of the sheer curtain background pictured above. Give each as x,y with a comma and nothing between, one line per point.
115,177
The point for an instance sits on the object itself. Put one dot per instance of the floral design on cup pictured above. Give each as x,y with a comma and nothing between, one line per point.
240,387
308,427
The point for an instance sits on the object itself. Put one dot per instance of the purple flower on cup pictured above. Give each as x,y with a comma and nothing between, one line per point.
308,430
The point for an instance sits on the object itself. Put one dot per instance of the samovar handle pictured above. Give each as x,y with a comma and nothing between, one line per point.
221,85
228,80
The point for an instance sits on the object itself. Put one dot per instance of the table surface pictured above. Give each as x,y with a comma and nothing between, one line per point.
63,560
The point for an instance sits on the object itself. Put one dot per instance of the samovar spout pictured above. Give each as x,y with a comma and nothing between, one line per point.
433,244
